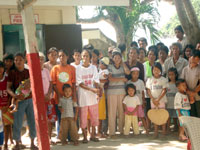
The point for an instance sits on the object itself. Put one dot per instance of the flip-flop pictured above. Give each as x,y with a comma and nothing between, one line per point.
94,139
34,147
16,147
85,141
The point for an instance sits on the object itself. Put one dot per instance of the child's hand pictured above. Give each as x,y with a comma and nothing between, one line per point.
61,110
20,97
144,104
95,90
47,97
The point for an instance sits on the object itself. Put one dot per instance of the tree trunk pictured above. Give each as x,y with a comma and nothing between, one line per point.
188,20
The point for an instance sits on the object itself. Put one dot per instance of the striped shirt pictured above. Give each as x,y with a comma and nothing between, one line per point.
116,88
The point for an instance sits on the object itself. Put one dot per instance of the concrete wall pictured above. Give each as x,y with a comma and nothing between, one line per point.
47,15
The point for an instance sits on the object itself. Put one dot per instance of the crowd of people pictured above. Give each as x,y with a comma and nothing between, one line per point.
100,95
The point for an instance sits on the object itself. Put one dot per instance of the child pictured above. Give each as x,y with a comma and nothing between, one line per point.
1,132
140,93
68,119
131,103
156,89
23,89
171,92
77,58
87,80
182,105
47,87
103,76
191,74
3,106
52,56
116,92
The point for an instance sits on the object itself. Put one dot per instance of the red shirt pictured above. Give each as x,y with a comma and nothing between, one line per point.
16,77
3,92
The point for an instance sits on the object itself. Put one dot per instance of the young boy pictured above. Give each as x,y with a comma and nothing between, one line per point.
15,77
68,119
191,74
182,104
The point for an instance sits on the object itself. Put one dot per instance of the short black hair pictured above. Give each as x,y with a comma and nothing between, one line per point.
158,65
174,70
179,28
160,44
130,85
76,51
2,64
66,86
89,52
134,48
20,55
96,51
88,47
63,51
195,53
8,57
154,49
52,49
122,47
142,49
143,39
116,53
134,44
179,81
164,48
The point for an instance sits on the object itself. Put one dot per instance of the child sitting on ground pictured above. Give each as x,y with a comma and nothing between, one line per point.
68,118
182,105
131,103
24,89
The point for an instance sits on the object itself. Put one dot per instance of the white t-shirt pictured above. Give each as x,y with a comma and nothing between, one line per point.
87,76
131,101
181,101
75,66
156,86
139,88
102,73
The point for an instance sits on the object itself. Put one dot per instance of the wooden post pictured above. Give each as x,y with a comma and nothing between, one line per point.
35,76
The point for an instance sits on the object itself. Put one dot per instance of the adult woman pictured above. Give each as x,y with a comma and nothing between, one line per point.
62,74
175,61
133,62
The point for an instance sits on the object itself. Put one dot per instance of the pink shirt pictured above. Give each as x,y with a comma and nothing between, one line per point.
46,79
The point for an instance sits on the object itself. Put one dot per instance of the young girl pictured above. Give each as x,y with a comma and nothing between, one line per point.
87,80
171,92
95,58
62,74
52,56
131,103
156,89
47,87
103,76
140,93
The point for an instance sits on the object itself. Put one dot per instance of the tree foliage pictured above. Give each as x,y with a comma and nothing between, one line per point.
168,29
127,20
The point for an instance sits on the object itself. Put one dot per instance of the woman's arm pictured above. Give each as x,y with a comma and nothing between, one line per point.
126,69
114,79
162,94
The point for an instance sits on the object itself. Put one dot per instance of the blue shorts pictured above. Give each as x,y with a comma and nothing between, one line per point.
1,138
184,113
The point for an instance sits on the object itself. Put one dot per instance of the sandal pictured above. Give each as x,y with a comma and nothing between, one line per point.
94,139
22,146
76,143
85,141
16,147
33,147
183,138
